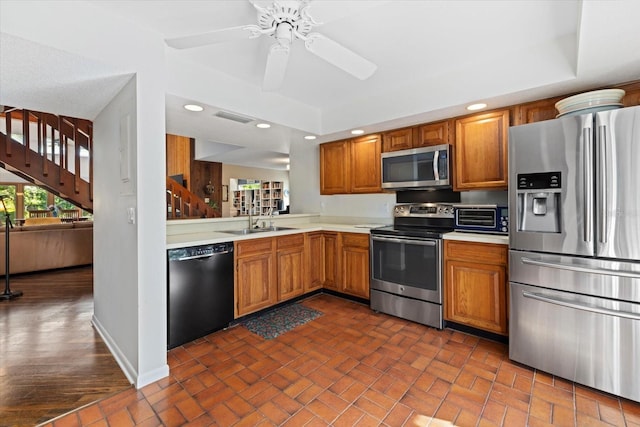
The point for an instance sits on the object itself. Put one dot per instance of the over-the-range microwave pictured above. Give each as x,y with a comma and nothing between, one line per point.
425,167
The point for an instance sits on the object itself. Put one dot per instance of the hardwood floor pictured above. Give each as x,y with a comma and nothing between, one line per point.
51,358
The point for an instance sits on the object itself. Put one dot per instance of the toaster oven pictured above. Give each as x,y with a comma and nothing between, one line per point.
482,218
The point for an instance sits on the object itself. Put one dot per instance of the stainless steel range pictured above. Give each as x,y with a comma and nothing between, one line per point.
406,262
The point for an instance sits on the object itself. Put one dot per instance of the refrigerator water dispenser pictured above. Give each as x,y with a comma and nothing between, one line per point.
538,198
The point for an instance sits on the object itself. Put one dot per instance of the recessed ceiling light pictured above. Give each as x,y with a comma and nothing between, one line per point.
263,125
310,137
357,132
193,107
478,106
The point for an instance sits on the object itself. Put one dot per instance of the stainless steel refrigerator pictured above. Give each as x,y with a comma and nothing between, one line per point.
574,214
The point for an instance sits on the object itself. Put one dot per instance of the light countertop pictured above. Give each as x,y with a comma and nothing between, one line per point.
208,237
199,237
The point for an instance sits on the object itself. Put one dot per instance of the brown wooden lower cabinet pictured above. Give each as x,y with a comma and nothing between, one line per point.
331,260
274,269
475,285
355,264
290,259
315,261
255,278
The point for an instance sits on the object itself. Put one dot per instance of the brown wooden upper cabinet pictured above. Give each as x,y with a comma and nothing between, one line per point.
335,168
433,134
351,166
481,151
399,139
536,111
417,136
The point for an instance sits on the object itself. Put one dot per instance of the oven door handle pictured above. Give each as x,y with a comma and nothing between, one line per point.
577,306
419,242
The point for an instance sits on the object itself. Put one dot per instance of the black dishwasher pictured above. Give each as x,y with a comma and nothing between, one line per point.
200,291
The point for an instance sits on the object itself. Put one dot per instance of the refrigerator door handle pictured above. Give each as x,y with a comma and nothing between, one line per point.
577,306
582,269
602,184
587,155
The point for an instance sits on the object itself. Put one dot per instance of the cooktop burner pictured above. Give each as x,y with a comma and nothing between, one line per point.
429,220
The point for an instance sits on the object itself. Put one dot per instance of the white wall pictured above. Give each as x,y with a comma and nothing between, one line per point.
242,172
130,280
113,235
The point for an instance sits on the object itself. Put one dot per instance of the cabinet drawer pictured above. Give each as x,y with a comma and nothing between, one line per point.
355,240
290,241
488,253
253,246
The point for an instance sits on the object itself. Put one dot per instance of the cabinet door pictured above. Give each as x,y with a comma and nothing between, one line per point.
355,264
290,273
255,283
315,261
433,134
290,266
481,151
365,164
401,139
475,295
536,111
335,167
331,261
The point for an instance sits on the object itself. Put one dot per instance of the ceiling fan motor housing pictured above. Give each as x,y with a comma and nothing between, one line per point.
293,13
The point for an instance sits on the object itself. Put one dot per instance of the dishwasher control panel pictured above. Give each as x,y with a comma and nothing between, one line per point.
199,251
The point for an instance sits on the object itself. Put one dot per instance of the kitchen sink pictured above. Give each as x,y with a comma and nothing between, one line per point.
255,230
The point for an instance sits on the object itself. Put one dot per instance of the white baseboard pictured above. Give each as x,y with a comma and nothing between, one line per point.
129,371
139,380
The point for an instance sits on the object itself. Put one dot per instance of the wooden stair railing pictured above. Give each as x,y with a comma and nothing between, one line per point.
183,204
43,156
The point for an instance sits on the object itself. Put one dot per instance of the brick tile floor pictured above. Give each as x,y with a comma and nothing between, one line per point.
353,367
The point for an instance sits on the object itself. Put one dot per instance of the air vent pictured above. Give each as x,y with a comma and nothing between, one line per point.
234,117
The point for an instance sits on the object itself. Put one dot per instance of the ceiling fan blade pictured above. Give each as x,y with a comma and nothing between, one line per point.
276,67
340,56
212,37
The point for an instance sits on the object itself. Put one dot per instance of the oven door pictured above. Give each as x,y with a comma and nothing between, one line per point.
407,266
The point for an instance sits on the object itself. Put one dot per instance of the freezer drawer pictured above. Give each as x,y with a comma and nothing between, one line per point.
597,277
592,341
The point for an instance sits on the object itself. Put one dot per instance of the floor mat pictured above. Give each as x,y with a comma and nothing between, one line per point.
276,322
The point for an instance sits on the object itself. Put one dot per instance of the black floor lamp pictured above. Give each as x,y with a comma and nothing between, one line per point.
7,294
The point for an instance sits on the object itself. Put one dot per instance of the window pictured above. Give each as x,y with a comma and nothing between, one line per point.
9,201
35,198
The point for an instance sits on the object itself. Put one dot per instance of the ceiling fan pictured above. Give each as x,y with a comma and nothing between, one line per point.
285,21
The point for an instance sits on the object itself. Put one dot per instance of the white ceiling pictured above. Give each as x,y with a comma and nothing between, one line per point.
433,58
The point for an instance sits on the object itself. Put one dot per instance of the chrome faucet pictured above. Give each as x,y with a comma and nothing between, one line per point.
252,223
